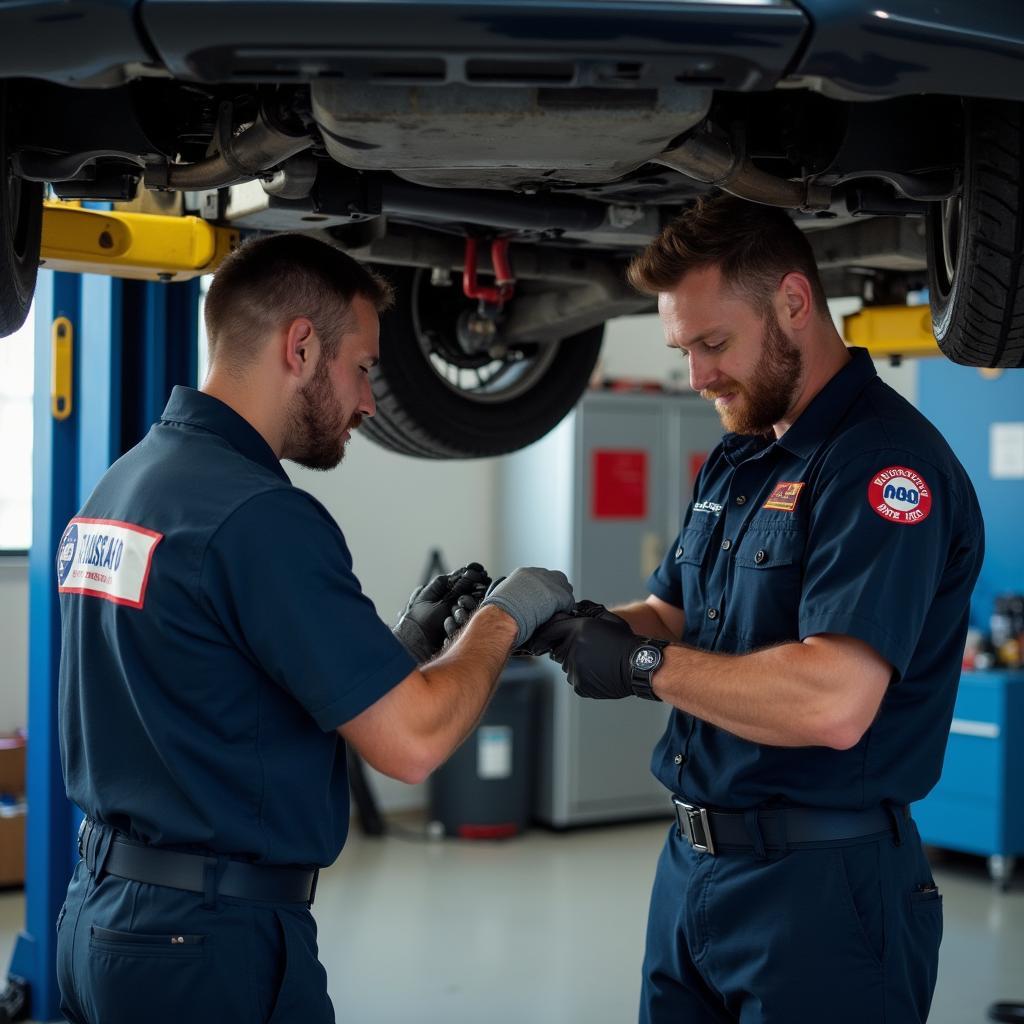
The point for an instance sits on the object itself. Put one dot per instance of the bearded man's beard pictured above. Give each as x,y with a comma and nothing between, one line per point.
773,385
317,424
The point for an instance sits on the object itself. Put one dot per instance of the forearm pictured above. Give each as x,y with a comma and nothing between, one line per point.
461,681
644,621
792,695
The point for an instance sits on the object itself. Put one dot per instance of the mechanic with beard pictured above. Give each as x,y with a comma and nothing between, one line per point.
218,654
807,627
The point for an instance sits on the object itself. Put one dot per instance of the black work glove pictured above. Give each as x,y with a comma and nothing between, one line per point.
593,646
462,611
421,628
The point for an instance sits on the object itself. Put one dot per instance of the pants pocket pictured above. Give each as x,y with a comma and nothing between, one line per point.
860,873
925,926
303,992
162,977
140,944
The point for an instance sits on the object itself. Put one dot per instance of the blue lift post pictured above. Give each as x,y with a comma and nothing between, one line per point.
132,341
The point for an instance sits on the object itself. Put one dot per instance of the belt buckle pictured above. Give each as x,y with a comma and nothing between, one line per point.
694,826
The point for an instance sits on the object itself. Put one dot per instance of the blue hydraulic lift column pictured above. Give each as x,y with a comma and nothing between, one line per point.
132,341
54,495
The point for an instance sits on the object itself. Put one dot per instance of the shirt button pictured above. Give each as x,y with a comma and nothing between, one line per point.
760,557
712,613
679,552
741,499
678,759
726,544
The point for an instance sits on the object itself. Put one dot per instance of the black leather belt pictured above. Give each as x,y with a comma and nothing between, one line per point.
192,872
783,828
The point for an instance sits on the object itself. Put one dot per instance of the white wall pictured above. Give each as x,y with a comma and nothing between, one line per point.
13,643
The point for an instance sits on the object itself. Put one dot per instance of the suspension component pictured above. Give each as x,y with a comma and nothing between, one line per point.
501,291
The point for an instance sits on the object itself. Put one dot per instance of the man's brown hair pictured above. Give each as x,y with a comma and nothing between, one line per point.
753,246
270,281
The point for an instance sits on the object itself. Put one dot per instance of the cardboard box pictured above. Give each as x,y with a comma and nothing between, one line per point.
12,810
12,765
12,848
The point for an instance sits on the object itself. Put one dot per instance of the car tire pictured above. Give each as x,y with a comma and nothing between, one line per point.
976,244
21,222
424,413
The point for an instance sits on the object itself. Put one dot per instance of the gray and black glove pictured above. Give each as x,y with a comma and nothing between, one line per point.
421,628
594,647
530,596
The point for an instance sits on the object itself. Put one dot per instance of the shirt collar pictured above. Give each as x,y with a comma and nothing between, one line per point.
829,405
186,405
740,447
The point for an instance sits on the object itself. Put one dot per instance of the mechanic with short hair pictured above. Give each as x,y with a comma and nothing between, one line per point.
218,655
807,627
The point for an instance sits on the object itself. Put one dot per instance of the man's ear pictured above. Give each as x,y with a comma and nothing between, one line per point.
301,347
795,301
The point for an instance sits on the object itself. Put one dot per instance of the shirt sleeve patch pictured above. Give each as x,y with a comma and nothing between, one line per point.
106,558
785,496
899,495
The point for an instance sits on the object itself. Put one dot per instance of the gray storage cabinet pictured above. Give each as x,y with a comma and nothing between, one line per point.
602,497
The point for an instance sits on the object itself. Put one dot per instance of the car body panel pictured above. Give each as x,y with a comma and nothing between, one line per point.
873,49
735,44
76,42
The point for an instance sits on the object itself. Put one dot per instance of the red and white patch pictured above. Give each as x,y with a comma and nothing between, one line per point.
106,558
899,495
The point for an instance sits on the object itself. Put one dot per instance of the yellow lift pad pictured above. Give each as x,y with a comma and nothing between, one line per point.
892,331
143,246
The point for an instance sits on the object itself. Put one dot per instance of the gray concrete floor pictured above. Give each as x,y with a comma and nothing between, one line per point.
548,929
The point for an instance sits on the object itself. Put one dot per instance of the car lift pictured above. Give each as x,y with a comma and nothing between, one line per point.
117,306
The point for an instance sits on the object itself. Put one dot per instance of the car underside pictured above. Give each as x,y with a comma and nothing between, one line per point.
501,164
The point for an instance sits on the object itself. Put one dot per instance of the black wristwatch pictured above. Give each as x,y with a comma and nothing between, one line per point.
643,663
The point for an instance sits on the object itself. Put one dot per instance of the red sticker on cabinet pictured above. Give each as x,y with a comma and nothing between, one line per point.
697,460
620,485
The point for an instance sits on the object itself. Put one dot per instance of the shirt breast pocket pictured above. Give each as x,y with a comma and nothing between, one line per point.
767,585
690,555
693,546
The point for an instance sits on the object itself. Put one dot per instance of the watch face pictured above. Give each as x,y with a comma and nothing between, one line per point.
646,658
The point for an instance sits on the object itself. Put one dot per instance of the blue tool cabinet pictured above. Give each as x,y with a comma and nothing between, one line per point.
978,804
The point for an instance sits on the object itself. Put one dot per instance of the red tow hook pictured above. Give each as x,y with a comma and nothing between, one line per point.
504,282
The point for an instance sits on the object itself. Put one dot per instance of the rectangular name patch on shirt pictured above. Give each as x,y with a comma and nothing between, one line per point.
106,558
785,496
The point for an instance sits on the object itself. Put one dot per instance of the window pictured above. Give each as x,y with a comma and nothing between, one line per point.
16,367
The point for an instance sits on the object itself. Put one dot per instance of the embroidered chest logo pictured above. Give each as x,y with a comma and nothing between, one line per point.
711,507
899,495
785,496
106,558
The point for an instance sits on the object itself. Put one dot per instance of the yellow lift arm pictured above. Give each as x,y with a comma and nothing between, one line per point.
892,331
144,246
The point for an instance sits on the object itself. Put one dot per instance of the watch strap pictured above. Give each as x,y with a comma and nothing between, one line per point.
644,660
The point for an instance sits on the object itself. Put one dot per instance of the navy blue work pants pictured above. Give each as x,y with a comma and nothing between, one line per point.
130,952
846,934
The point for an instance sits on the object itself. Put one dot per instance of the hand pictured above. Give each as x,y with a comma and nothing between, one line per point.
421,628
530,597
462,611
593,646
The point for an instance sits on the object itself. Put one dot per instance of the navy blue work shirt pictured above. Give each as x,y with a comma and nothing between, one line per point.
214,637
858,521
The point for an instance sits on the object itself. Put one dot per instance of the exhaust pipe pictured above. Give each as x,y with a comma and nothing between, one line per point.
712,160
262,145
